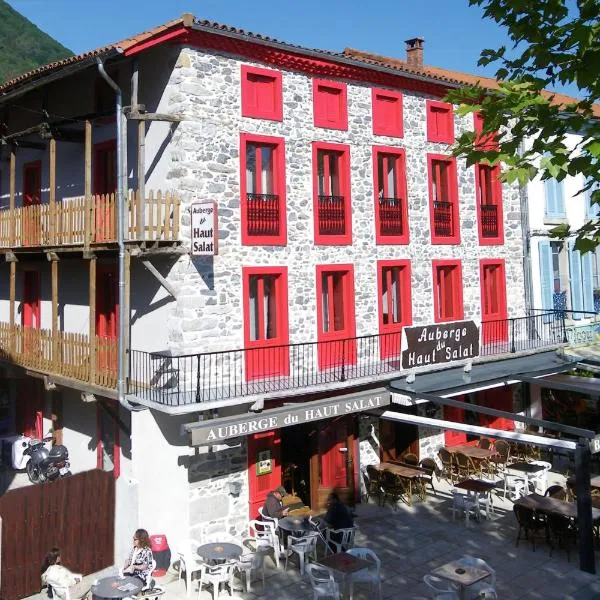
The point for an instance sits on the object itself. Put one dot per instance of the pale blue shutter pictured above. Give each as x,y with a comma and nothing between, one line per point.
555,203
546,276
575,277
591,210
587,281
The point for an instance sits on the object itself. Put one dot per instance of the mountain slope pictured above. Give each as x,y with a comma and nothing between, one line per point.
23,46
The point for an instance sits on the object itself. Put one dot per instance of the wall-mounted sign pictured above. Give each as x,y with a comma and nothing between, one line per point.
218,430
440,343
205,229
264,462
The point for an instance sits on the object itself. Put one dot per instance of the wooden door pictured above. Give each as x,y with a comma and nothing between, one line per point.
264,467
105,185
457,415
32,196
332,462
106,317
30,408
397,439
501,399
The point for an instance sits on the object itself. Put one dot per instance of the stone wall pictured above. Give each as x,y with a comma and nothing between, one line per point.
368,446
205,165
213,508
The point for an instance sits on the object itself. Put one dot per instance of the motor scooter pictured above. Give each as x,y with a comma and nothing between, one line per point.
43,464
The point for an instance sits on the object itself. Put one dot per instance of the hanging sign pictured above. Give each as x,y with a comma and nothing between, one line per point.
205,230
440,343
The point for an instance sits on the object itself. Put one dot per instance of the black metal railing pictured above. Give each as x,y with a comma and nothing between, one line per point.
489,220
390,216
332,215
443,219
231,374
263,214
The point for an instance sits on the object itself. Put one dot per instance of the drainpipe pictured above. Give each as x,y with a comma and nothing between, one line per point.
121,195
526,237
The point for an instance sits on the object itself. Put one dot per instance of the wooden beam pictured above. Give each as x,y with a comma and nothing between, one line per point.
92,330
159,277
12,295
57,417
12,191
55,326
88,185
140,116
65,135
127,313
52,191
141,180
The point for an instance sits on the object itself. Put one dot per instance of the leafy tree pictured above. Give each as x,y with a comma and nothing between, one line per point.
555,42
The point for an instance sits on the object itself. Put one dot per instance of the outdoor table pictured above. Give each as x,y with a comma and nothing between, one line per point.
476,485
293,524
524,467
220,551
463,575
410,474
549,505
117,587
472,451
302,511
346,564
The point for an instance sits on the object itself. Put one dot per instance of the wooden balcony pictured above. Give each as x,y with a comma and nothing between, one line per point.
90,221
68,355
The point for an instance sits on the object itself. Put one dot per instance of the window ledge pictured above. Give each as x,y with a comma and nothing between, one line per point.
555,220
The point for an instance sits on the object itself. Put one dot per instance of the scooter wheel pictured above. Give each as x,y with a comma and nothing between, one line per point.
33,473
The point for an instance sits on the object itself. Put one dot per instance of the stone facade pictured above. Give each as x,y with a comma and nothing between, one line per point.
368,446
205,165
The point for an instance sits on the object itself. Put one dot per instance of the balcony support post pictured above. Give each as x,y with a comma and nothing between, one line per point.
12,294
92,331
52,193
88,185
140,205
55,329
126,316
12,191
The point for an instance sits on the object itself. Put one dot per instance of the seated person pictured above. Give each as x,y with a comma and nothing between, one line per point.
59,579
139,561
273,505
338,516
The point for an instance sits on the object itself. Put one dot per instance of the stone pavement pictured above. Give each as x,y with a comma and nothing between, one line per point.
412,541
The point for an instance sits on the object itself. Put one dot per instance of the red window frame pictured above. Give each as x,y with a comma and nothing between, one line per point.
267,82
381,236
386,104
267,357
452,198
100,444
31,303
440,122
497,330
345,192
102,175
264,238
329,353
31,197
495,200
485,142
322,96
389,345
456,292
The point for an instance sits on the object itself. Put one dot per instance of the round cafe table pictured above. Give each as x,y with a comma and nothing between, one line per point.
117,587
219,551
293,524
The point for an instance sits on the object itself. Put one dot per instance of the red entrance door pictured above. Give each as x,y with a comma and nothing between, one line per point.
32,195
332,466
105,185
457,415
501,399
493,302
106,317
264,467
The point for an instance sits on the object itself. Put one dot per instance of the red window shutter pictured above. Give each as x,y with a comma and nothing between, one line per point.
387,113
330,108
440,122
447,291
261,93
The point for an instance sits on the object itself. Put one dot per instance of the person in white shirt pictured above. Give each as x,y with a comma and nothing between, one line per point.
58,578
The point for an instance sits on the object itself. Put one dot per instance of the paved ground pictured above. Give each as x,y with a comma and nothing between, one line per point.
412,541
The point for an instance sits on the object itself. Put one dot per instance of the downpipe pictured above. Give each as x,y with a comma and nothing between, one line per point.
121,196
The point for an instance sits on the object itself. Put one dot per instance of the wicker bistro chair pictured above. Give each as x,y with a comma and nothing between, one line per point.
448,467
463,465
500,460
531,523
393,487
430,469
374,485
484,443
411,459
556,491
563,531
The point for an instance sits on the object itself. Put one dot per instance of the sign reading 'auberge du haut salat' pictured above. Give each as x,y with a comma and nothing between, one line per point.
440,343
205,231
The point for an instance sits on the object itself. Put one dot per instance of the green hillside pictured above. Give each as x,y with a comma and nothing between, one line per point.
23,46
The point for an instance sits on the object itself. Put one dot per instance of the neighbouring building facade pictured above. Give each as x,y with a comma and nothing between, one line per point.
341,218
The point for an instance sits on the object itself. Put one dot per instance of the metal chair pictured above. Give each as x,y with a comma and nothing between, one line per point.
372,575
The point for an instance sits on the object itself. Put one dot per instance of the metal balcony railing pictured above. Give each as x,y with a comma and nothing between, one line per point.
443,219
263,214
489,220
197,378
390,217
331,215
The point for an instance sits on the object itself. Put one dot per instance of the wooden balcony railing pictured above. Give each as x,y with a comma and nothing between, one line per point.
61,354
87,221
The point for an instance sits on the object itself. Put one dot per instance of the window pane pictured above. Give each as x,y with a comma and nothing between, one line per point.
440,180
254,308
338,301
391,296
556,248
325,300
266,169
328,173
270,307
259,169
445,285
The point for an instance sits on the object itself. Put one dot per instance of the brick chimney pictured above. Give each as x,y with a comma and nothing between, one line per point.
414,51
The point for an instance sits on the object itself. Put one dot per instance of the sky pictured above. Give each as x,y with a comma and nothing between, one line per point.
454,32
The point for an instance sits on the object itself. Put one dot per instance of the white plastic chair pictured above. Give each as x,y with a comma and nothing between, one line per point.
345,543
466,503
265,517
189,561
515,486
322,582
485,500
539,480
61,593
215,575
440,589
372,575
250,562
302,546
486,587
264,532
